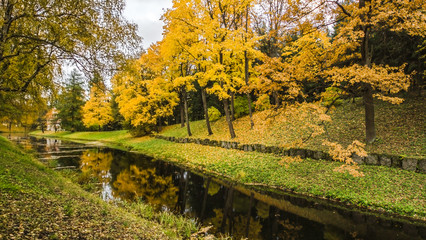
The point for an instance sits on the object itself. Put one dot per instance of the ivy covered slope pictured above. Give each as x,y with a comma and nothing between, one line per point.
38,203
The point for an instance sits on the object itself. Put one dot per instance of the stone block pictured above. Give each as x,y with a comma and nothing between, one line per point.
285,152
385,161
358,159
292,152
396,162
301,153
317,155
421,165
409,164
309,153
372,160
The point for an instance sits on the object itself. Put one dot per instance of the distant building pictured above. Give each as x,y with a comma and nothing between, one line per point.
52,122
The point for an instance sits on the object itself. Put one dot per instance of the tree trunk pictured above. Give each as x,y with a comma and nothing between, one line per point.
228,118
276,99
182,112
160,125
206,110
246,76
232,107
370,130
246,72
185,101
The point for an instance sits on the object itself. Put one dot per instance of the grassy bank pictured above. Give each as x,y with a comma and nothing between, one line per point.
384,189
400,128
38,203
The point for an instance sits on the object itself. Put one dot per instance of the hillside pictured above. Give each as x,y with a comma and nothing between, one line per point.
400,128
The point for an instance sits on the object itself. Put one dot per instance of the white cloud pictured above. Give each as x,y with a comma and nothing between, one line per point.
146,14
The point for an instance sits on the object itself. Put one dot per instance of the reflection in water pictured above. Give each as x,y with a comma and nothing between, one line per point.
230,209
97,163
136,183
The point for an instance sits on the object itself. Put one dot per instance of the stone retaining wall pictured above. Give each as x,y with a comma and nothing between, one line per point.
411,164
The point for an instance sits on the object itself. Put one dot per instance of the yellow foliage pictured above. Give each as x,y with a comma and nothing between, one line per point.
143,95
135,183
97,111
341,154
384,79
97,163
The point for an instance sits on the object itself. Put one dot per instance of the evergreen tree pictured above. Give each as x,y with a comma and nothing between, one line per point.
70,103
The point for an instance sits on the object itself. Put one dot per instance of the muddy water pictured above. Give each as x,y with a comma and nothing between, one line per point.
227,207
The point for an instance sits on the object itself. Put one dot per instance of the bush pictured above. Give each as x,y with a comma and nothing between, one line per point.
214,114
331,97
240,106
142,130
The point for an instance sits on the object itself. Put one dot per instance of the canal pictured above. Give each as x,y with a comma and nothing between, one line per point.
227,207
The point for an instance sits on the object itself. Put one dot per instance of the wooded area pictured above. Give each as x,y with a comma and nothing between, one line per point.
230,58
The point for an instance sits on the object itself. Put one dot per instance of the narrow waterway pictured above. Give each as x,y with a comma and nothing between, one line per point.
228,208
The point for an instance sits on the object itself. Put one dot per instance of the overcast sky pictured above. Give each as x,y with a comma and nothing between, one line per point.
146,14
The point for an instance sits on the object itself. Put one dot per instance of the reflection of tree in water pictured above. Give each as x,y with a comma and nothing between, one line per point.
97,164
135,183
262,210
290,230
239,225
213,188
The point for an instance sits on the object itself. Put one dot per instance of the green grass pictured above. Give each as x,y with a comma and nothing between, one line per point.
38,203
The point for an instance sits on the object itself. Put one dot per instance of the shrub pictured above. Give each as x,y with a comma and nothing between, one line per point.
142,130
214,114
241,106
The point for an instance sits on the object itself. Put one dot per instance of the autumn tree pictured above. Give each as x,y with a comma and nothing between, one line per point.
362,19
223,27
177,49
97,110
37,36
144,96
